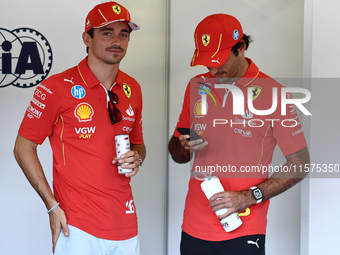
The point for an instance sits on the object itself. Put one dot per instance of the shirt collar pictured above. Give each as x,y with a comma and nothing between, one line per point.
250,75
90,79
119,79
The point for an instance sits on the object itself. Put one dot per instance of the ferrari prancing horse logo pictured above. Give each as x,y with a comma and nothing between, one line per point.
127,90
256,90
205,40
116,9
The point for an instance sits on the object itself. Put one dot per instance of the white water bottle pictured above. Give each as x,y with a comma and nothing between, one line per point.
212,186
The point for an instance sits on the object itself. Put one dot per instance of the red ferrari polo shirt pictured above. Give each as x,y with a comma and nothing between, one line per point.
240,147
71,109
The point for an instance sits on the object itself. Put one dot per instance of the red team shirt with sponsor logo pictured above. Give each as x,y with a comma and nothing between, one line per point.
71,109
237,144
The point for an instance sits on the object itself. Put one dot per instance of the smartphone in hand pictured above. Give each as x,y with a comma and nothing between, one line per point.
189,131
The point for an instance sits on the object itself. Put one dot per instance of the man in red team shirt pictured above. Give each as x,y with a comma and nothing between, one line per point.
231,141
81,110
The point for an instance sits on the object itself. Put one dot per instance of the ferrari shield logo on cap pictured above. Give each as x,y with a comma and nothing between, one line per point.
127,90
256,92
116,9
205,40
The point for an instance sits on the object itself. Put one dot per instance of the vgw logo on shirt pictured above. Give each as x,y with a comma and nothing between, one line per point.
25,57
85,132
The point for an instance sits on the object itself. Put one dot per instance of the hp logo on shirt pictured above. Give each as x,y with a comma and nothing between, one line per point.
78,92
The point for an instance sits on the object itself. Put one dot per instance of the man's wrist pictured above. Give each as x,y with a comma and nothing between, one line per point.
140,160
257,194
52,209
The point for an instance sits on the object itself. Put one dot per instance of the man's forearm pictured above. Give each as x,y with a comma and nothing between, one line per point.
140,148
283,180
27,158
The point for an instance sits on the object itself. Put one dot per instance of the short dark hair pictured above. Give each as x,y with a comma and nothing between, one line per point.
91,34
246,39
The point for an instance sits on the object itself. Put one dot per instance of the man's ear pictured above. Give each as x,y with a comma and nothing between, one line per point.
87,39
243,47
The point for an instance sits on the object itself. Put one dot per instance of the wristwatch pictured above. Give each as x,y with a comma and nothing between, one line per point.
140,160
257,193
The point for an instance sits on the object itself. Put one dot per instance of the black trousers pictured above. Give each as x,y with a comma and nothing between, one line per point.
245,245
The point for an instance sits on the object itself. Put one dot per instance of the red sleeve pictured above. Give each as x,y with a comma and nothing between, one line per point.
288,132
184,118
41,114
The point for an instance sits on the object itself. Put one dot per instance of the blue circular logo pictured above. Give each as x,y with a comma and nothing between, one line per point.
203,90
236,34
78,92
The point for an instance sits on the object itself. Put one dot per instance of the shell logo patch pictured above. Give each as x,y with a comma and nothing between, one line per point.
116,9
205,40
84,112
256,92
198,109
127,90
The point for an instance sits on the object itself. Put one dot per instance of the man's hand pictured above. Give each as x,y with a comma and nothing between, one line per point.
58,222
192,146
25,152
181,149
133,158
237,201
130,157
233,201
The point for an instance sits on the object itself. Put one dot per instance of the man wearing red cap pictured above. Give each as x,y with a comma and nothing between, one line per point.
236,147
81,111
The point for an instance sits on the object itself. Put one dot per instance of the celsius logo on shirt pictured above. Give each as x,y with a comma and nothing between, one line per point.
84,112
78,92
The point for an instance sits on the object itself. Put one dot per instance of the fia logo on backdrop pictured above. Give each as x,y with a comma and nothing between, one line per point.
25,57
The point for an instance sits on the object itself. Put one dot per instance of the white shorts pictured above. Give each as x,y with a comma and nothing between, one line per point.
81,243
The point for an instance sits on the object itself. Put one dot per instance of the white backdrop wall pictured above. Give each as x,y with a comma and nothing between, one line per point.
321,230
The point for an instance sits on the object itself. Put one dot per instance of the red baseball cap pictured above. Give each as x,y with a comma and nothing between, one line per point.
106,13
214,37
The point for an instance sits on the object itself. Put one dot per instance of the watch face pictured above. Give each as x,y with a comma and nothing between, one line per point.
257,194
